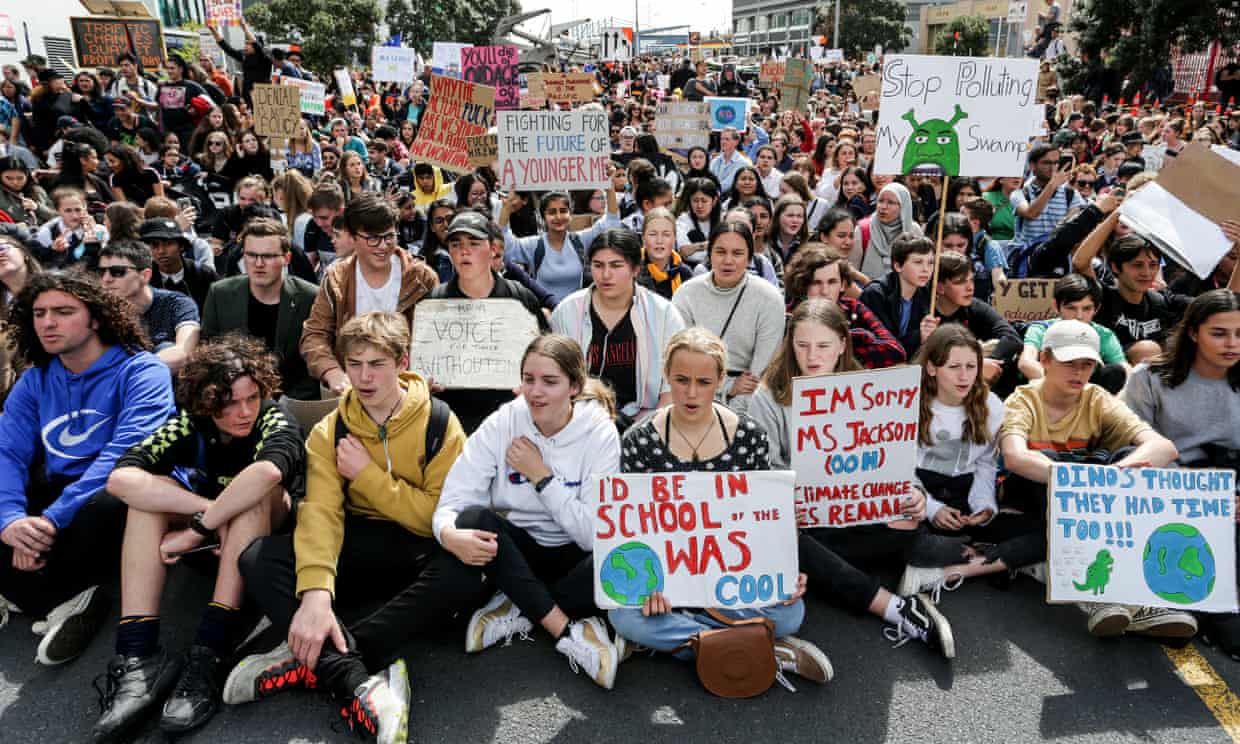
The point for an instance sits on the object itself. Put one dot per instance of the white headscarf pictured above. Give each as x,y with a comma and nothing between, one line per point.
877,257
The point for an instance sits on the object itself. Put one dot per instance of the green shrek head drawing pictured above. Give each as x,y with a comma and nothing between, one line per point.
934,143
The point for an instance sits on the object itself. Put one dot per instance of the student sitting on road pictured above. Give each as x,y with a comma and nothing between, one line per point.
956,304
250,462
901,298
1077,297
817,343
694,433
515,508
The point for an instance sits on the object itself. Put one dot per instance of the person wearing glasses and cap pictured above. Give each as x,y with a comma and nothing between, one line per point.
171,319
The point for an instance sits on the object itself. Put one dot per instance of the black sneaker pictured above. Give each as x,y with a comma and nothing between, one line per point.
1221,631
71,625
197,694
132,686
920,619
379,709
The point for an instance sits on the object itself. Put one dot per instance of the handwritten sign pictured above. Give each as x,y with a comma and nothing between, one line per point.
562,88
854,445
681,124
482,150
866,88
1025,300
1147,536
344,81
473,344
797,80
457,110
495,66
833,55
393,64
446,58
548,150
277,110
955,115
223,12
728,112
98,40
313,95
770,73
725,540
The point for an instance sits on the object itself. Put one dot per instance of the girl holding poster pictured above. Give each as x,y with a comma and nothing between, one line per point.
514,507
817,343
695,433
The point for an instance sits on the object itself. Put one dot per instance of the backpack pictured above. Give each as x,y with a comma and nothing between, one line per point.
540,252
436,428
1020,252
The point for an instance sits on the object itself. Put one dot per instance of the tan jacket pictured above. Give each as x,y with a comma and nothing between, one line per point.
335,302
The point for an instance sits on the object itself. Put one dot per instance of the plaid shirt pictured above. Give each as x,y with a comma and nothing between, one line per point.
873,344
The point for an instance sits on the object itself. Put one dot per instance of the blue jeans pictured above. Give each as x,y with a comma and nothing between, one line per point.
670,632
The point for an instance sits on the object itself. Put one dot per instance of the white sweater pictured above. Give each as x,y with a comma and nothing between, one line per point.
951,456
563,512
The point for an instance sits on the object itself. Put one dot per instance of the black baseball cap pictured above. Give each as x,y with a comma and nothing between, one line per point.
471,223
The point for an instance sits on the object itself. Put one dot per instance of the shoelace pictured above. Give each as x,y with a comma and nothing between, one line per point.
785,664
591,660
506,627
112,682
896,634
945,583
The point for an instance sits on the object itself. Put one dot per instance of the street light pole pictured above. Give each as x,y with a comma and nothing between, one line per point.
835,37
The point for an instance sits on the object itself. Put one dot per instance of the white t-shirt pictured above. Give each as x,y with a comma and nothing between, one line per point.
384,298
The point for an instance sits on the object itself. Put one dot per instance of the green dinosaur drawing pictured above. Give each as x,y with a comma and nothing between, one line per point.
933,142
1097,574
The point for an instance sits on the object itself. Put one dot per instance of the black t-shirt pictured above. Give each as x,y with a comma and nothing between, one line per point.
612,356
1151,320
262,321
138,186
174,101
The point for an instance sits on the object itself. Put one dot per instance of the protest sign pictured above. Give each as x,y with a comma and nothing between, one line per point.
223,12
98,41
1142,536
572,87
446,58
495,66
312,95
616,44
725,540
853,438
457,110
959,116
344,81
277,110
833,55
727,112
473,344
866,88
770,73
393,64
681,124
663,81
1154,157
482,150
794,90
1025,300
553,150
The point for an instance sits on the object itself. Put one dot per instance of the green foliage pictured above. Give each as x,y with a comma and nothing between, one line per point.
423,22
974,38
1136,36
332,33
864,23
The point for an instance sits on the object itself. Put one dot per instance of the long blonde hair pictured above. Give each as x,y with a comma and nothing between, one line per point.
295,190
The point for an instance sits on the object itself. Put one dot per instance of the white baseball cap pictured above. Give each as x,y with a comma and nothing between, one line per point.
1069,340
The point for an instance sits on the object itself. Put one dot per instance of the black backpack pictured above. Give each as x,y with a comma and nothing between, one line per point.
436,428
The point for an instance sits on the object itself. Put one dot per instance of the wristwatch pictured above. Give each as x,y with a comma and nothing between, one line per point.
540,485
195,524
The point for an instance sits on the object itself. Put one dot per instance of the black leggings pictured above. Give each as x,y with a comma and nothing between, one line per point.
1004,528
535,577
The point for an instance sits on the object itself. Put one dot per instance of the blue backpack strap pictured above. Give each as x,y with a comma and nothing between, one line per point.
540,252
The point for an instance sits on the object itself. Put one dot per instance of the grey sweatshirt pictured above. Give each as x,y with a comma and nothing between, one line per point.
1198,412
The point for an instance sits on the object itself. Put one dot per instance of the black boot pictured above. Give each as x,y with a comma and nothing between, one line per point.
133,686
197,694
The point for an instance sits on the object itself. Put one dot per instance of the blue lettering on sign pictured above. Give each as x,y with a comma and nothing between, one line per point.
748,589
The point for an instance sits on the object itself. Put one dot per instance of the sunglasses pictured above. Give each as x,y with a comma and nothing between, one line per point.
116,272
1085,184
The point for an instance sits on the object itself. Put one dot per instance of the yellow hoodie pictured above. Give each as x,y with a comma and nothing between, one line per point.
407,495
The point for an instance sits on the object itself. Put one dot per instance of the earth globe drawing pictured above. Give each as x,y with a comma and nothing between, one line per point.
1178,564
631,573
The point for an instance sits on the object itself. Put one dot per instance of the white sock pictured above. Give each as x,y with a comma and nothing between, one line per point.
892,613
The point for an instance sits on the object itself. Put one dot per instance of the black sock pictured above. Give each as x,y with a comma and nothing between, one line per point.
217,628
564,632
137,635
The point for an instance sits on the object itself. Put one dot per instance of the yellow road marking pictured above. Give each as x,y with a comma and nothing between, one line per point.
1209,686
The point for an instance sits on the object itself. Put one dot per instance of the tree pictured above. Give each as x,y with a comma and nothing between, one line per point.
319,26
423,22
1135,37
973,40
864,23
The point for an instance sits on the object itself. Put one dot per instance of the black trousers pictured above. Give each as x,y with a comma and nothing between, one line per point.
535,577
85,553
1005,527
419,583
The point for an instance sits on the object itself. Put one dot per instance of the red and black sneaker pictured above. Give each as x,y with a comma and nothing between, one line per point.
379,708
264,675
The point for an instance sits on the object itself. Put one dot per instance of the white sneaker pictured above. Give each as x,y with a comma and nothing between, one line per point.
1107,620
803,659
1162,622
7,607
588,647
498,620
70,627
933,580
380,706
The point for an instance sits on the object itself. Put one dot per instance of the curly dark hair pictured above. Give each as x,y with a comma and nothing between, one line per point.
204,384
116,321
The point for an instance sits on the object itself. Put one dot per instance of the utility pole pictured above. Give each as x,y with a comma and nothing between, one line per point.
835,37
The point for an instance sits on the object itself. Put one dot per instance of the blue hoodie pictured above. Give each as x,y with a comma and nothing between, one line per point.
78,426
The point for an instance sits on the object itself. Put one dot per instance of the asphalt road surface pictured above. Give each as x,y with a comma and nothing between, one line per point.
1025,672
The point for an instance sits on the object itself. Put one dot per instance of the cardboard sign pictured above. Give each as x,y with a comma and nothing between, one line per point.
794,91
727,112
277,110
570,88
771,73
446,58
1025,300
853,438
98,40
866,88
955,115
616,44
223,12
482,150
1148,536
393,64
681,124
313,95
495,66
474,344
344,81
724,540
553,150
457,110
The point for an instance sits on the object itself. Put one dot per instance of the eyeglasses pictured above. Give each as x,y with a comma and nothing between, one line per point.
441,220
116,272
1085,184
263,257
374,241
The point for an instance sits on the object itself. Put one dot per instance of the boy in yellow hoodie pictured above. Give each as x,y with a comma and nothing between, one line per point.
363,534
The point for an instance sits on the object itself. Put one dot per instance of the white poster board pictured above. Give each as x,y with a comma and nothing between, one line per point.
313,95
1142,536
1184,235
471,343
833,55
681,124
553,150
344,81
446,58
724,540
393,64
965,116
853,439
